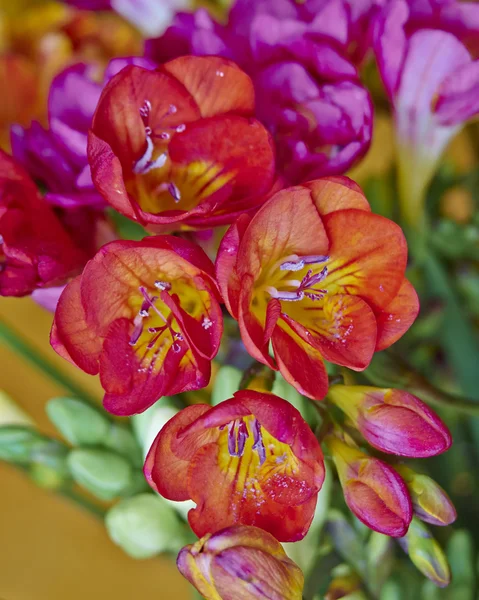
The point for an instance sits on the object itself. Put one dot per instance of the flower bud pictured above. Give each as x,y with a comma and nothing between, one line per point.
429,501
392,420
17,443
241,562
372,489
144,525
426,554
345,586
79,423
103,473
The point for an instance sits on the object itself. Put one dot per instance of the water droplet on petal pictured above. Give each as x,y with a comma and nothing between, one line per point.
220,73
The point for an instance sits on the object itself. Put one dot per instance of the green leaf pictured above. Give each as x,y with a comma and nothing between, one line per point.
126,229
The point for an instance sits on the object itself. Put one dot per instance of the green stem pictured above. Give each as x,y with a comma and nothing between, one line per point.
83,502
18,344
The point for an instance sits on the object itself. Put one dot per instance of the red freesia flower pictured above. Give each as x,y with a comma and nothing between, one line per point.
251,460
144,315
178,145
35,250
320,276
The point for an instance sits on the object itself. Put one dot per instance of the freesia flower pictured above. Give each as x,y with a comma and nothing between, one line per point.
251,460
35,250
308,93
179,146
393,421
432,82
429,501
320,276
373,490
241,562
145,316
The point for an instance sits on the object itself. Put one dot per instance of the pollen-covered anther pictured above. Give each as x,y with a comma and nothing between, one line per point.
296,263
164,286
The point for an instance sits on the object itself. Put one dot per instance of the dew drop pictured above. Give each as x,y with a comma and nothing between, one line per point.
181,128
176,347
173,109
220,73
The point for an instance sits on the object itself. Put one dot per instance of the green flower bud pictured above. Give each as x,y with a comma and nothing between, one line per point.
426,554
103,473
78,422
226,382
144,526
17,443
120,439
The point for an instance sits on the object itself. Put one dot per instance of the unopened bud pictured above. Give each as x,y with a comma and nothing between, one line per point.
392,420
241,562
429,501
426,554
103,473
373,490
144,526
79,423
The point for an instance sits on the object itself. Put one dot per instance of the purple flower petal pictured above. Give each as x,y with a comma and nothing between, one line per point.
458,98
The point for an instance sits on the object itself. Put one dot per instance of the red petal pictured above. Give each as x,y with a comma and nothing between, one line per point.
300,364
368,256
397,317
218,85
226,275
241,148
164,470
337,193
252,331
71,335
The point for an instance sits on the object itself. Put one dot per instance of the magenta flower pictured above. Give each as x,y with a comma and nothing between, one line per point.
432,81
308,93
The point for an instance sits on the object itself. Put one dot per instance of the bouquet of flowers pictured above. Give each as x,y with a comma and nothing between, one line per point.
173,191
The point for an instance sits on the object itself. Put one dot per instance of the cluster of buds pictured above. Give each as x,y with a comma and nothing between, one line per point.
249,125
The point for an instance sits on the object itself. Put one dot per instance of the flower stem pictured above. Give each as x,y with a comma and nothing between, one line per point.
18,344
84,503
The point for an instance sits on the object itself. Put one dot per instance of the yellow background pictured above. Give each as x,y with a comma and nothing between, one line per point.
49,548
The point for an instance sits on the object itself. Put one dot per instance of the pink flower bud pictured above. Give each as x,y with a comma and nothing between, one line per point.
429,501
241,562
393,421
372,489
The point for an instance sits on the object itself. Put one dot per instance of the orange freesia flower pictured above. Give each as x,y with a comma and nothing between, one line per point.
320,276
179,144
144,315
241,562
251,460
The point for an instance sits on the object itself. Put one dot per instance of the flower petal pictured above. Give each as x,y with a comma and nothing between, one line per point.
368,256
217,85
397,317
300,364
337,193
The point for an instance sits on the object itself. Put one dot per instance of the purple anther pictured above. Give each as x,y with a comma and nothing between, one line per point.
174,192
287,296
258,444
164,286
135,336
291,265
237,436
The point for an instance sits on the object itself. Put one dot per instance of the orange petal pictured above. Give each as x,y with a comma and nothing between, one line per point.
368,256
287,224
300,364
164,470
337,193
229,502
397,317
72,337
217,85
